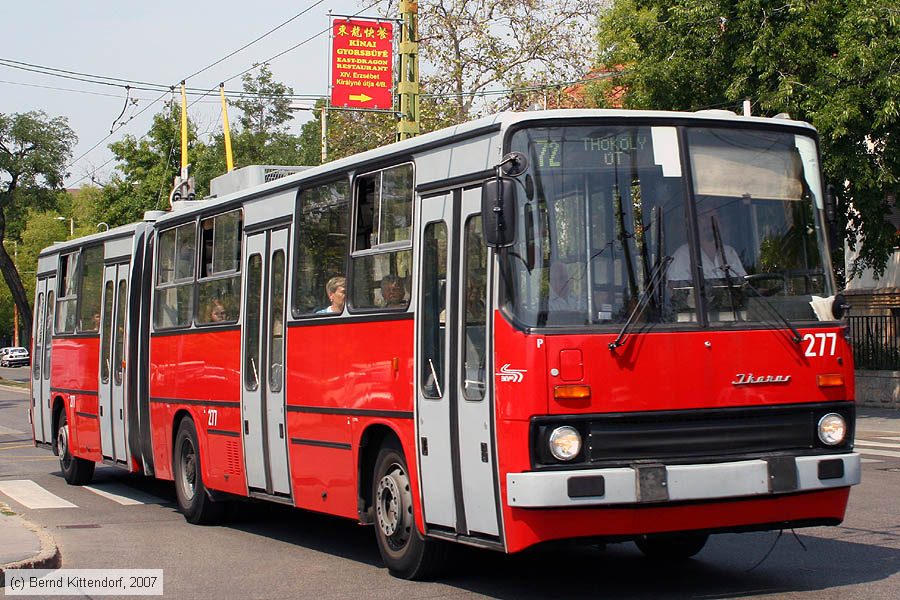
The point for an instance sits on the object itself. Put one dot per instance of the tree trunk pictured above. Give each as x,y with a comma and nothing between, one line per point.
16,289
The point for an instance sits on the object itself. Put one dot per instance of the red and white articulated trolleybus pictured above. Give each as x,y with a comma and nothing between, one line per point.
607,325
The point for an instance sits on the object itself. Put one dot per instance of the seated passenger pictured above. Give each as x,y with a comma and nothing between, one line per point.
336,289
392,291
215,312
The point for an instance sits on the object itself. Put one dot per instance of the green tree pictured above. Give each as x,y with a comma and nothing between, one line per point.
34,149
146,168
830,62
262,136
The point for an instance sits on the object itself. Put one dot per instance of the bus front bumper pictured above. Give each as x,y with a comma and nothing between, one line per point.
656,483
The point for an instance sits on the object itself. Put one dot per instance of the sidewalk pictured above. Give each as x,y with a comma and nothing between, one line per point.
24,545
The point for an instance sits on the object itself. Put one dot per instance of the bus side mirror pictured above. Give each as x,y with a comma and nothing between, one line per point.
498,211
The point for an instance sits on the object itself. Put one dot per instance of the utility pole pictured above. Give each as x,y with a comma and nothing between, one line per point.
324,138
71,221
408,82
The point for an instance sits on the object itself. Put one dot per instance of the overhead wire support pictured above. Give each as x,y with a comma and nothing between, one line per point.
112,127
408,84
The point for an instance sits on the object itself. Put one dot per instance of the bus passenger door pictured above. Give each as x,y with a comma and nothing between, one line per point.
111,391
433,398
120,364
454,416
263,400
45,303
475,432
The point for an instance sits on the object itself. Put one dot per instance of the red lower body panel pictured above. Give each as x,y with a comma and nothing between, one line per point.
526,527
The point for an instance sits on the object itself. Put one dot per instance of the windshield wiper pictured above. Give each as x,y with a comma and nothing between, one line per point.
656,277
774,311
720,248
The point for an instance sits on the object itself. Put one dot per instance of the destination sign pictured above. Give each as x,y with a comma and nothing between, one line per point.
567,151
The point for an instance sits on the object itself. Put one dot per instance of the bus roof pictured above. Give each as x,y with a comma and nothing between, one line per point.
493,124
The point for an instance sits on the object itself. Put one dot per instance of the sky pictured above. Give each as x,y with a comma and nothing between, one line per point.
162,41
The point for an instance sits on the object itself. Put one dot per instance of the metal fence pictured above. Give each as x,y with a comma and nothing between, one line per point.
876,342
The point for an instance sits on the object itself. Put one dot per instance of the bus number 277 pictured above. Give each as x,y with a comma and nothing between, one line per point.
818,349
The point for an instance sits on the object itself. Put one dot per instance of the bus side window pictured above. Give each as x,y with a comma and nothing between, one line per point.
65,311
382,260
219,285
175,276
90,289
322,243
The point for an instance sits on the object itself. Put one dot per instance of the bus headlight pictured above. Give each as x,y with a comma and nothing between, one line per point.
565,443
832,429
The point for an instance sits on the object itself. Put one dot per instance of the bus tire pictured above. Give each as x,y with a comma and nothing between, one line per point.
76,471
671,546
405,551
193,500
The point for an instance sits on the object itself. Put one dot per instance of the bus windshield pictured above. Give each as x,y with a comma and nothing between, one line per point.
610,217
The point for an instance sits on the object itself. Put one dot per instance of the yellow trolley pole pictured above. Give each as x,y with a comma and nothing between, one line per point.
229,160
183,189
184,134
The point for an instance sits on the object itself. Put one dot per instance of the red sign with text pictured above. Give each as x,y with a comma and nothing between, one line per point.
362,55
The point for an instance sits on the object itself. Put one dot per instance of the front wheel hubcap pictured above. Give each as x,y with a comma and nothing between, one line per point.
62,444
393,507
188,469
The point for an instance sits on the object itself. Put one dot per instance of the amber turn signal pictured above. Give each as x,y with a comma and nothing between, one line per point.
572,392
830,380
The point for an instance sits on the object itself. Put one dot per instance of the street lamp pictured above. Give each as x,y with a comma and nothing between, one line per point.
71,225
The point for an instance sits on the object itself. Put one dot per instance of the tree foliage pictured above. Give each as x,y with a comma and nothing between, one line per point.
34,149
830,62
467,48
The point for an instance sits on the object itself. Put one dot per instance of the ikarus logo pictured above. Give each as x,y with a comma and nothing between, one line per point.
511,375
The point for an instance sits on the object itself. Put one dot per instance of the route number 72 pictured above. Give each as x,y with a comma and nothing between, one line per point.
821,338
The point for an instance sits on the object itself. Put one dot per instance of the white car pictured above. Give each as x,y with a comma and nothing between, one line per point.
15,357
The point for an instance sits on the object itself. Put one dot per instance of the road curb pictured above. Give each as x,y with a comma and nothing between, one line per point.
48,558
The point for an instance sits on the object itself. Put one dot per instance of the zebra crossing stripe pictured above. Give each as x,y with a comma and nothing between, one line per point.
122,494
877,452
31,495
877,444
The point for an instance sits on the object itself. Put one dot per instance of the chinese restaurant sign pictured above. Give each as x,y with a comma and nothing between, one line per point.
362,64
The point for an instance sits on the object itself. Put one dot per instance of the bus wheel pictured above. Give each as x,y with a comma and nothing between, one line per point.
193,500
405,551
76,471
671,546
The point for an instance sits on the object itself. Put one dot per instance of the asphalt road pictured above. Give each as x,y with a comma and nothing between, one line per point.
270,551
15,373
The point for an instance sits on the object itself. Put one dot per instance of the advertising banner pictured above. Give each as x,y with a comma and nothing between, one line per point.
362,74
